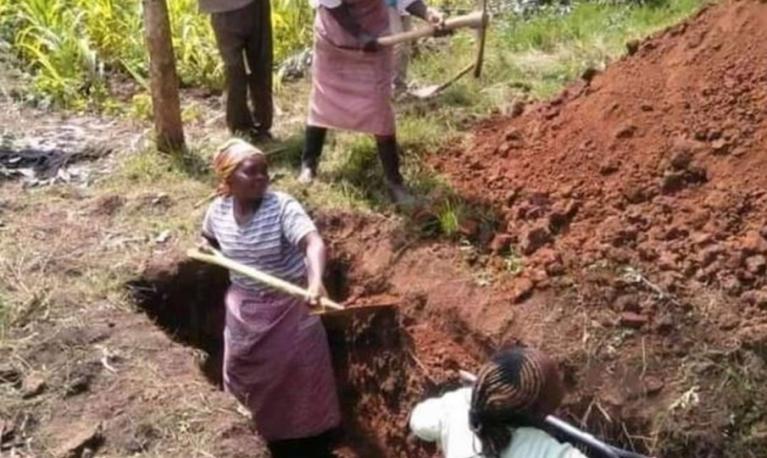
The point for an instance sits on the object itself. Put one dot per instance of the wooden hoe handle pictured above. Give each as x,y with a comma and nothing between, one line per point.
474,20
212,256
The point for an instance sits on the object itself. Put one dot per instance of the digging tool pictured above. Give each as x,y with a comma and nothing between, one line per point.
574,433
475,20
482,31
430,91
478,20
213,256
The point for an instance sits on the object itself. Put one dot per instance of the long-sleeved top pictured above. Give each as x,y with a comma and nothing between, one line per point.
445,420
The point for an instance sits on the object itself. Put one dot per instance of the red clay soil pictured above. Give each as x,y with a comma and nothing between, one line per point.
658,162
637,203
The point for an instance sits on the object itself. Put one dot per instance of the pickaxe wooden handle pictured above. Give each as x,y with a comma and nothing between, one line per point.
213,256
605,449
475,20
482,31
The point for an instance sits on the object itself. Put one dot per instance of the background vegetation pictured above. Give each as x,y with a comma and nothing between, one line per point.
81,52
72,47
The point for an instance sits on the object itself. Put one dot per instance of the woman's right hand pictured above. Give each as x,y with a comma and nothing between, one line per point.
316,291
369,42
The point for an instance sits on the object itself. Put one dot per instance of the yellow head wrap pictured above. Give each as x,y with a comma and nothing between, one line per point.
228,158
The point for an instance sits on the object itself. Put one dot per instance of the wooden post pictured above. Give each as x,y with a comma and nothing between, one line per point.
166,107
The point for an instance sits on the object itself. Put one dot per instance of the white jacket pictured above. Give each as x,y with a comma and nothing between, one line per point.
445,420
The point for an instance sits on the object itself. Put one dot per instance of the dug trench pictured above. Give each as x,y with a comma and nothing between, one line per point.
373,356
384,362
632,247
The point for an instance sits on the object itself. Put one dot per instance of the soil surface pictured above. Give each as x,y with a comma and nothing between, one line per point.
632,248
642,190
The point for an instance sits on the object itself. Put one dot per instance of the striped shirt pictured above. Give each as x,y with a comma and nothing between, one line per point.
268,242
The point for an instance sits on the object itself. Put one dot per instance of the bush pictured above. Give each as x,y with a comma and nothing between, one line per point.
72,46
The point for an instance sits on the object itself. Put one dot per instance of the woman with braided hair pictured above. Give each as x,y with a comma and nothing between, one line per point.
276,355
501,416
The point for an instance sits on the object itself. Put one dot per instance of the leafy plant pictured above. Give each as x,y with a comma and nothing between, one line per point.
71,47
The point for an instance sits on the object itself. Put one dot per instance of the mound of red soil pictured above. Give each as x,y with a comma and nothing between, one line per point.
658,162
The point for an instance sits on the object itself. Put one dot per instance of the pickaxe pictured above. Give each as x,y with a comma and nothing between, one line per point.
605,450
478,20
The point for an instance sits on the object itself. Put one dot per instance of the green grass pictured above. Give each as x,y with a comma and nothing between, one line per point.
73,47
545,51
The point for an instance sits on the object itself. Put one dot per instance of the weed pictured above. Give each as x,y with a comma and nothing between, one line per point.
513,263
449,216
141,107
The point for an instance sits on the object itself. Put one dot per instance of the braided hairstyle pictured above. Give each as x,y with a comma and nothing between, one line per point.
518,387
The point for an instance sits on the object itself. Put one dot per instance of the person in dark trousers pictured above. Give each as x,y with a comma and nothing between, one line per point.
243,30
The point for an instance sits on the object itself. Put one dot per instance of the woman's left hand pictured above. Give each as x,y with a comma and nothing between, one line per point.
435,17
316,291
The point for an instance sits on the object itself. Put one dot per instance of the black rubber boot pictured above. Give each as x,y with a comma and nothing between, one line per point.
310,157
388,153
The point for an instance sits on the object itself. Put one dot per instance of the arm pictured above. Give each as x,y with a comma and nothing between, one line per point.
300,231
208,231
418,8
343,16
316,254
426,420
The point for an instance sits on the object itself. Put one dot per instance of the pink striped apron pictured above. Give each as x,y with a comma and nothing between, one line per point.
277,363
351,89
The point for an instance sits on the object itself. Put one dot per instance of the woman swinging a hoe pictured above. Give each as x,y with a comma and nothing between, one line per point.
276,356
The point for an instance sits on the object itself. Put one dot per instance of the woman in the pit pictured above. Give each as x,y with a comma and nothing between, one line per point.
501,417
276,356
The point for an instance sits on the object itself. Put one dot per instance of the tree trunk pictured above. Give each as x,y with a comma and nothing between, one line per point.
164,81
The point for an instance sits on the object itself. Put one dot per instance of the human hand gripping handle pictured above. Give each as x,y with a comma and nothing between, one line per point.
431,15
437,19
316,255
315,292
368,42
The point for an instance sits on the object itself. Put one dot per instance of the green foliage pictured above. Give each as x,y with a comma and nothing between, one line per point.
71,46
292,22
450,215
535,55
63,61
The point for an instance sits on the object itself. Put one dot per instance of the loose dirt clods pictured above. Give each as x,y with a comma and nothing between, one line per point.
631,244
662,155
